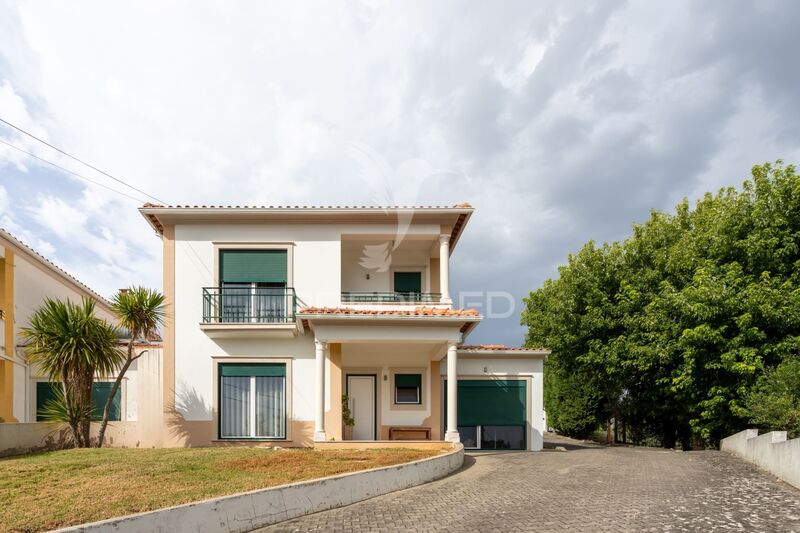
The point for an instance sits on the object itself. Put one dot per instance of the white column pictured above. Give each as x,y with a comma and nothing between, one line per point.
452,394
319,419
444,268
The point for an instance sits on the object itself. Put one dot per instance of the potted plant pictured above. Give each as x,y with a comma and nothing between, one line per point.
347,419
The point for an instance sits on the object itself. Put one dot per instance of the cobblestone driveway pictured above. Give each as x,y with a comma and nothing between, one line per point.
589,489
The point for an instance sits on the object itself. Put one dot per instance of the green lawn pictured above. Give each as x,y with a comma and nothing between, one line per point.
56,489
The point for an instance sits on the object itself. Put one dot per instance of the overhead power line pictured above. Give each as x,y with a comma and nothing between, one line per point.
68,171
81,161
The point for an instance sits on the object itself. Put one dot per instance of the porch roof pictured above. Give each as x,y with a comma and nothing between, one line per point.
417,311
464,319
500,349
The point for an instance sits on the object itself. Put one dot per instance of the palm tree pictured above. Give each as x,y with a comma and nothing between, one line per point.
70,344
140,312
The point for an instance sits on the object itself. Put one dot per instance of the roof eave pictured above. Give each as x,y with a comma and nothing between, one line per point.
32,254
155,214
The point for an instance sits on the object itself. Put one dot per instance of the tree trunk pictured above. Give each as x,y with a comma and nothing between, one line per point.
109,402
73,426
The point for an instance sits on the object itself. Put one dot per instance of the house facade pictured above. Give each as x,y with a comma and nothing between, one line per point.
26,280
281,320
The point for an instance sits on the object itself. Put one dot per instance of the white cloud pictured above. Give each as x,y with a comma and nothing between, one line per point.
561,122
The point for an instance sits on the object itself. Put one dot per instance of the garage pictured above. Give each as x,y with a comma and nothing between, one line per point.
492,413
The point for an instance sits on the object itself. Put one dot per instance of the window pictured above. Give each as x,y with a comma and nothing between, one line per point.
100,392
408,389
253,285
252,399
408,283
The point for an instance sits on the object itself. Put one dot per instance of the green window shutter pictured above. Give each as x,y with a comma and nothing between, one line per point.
407,282
100,393
44,393
408,380
253,266
491,402
252,369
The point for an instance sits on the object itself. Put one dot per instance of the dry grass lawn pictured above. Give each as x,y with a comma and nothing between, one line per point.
56,489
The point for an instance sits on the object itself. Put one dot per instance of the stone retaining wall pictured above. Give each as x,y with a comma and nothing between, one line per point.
771,451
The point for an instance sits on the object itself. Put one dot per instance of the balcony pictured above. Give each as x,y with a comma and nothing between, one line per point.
385,272
249,310
391,297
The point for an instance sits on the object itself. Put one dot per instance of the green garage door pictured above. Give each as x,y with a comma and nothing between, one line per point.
492,413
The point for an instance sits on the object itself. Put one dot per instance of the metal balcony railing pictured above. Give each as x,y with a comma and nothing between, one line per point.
391,297
249,305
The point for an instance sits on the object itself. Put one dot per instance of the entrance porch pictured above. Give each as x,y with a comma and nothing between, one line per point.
391,391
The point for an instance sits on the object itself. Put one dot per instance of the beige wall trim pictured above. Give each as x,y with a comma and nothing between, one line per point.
7,364
423,405
434,421
333,416
168,329
216,360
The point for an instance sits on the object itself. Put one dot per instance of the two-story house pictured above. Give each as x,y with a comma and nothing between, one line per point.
279,316
27,279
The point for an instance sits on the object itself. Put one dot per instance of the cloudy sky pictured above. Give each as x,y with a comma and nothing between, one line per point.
559,123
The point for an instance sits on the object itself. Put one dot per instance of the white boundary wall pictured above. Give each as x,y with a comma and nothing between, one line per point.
250,510
771,451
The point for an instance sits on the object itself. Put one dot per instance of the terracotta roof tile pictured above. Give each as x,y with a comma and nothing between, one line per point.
149,205
498,347
417,311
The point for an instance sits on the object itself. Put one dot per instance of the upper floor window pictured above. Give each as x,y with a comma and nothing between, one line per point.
408,282
253,285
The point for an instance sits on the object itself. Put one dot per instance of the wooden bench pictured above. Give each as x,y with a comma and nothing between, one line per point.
409,433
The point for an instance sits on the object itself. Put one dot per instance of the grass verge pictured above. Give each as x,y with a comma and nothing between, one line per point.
56,489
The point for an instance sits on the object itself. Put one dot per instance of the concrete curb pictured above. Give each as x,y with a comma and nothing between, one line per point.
264,507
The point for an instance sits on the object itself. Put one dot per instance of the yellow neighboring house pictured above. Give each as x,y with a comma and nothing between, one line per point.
26,279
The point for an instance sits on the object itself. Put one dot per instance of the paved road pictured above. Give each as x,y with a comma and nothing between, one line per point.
584,489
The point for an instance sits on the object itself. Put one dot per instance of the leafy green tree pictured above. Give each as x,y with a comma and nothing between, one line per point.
140,312
71,345
682,318
774,403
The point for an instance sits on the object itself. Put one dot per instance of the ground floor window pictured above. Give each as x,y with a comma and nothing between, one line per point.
408,389
101,390
252,400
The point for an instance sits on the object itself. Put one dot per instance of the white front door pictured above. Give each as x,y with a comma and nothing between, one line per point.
361,392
